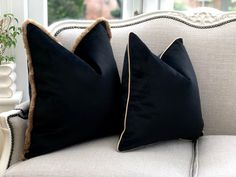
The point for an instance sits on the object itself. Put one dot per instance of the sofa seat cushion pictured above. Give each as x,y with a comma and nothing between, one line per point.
99,158
216,156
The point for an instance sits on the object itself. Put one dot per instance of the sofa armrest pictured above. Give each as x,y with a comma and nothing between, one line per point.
12,131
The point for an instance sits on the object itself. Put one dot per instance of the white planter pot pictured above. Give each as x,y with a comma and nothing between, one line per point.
7,80
7,68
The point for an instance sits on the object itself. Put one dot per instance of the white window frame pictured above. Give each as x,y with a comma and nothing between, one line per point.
130,7
38,11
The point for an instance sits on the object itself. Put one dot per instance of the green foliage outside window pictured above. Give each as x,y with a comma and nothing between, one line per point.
64,9
117,13
74,9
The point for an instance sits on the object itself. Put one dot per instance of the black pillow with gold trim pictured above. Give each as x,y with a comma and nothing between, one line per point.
75,97
160,96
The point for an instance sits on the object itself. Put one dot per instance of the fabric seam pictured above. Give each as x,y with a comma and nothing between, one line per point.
192,161
196,161
12,136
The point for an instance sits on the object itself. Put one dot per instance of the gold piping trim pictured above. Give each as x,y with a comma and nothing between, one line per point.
31,81
88,29
127,102
169,46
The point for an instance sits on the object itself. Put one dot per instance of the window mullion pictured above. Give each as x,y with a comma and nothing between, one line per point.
38,10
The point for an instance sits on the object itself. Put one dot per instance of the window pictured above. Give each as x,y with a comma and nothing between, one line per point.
83,9
117,9
224,5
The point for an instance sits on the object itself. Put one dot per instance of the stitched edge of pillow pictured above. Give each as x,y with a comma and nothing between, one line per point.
29,129
88,29
31,81
128,97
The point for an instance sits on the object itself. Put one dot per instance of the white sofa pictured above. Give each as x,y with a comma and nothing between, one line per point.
210,39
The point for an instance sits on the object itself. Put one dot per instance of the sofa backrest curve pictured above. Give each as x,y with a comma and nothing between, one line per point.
209,36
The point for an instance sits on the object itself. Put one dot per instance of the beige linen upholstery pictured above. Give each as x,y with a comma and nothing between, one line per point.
98,158
216,156
12,126
6,139
210,41
2,167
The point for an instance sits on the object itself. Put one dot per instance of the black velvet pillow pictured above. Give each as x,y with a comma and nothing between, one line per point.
74,97
160,96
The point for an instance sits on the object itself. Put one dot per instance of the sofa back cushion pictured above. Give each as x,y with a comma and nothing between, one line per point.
210,41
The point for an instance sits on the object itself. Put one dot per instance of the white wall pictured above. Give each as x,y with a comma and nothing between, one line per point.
23,9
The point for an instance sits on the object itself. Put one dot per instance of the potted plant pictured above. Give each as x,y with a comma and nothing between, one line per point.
9,31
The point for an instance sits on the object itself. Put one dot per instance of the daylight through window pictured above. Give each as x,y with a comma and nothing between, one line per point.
117,9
